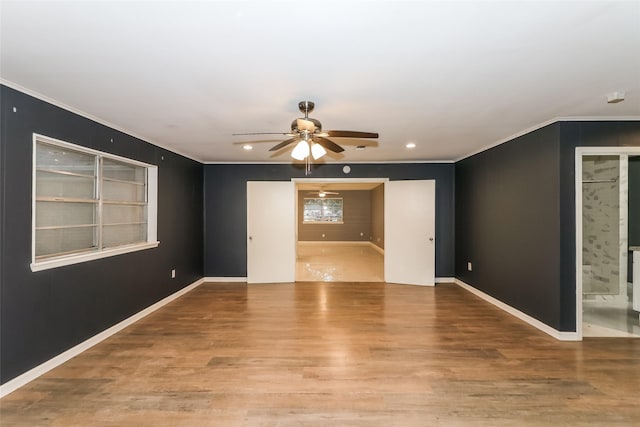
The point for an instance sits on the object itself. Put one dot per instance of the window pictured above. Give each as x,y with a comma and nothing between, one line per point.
88,204
323,210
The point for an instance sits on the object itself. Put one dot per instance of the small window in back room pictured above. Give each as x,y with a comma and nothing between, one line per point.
323,210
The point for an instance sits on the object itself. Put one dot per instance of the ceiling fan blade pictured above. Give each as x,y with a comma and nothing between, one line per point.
351,134
283,144
328,144
306,124
323,193
260,133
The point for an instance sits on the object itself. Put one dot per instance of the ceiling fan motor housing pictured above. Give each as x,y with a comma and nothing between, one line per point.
306,107
316,123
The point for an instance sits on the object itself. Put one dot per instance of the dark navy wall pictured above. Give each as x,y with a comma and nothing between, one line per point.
508,223
515,217
226,207
45,313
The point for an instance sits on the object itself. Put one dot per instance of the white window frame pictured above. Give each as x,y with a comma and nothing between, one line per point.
75,258
321,221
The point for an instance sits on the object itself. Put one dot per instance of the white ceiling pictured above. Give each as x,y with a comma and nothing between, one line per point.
453,77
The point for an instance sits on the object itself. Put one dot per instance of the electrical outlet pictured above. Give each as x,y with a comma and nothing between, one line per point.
173,273
323,235
469,266
361,234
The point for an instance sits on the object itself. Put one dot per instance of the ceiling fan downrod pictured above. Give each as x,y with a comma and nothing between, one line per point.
306,107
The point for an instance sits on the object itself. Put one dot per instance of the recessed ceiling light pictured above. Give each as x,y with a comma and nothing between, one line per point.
410,145
247,147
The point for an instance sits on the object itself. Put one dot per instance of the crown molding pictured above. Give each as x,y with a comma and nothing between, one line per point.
86,115
547,123
81,113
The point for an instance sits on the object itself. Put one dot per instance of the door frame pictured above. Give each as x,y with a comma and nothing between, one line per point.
297,181
580,152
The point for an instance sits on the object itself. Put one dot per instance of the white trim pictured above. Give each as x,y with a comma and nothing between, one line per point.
151,198
334,242
338,180
623,223
445,279
607,151
547,123
90,117
37,137
52,101
582,151
341,242
226,279
152,204
323,222
376,247
578,231
358,162
58,360
76,259
562,336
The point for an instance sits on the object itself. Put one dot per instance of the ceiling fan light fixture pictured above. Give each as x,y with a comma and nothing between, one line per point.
301,151
317,151
311,142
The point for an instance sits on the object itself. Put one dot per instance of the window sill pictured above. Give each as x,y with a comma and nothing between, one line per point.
322,222
76,259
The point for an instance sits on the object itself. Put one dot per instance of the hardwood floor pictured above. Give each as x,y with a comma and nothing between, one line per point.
335,354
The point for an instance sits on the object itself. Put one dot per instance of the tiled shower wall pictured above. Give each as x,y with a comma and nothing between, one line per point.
604,189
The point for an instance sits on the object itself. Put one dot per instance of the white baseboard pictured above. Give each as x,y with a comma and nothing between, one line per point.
226,279
559,335
58,360
376,247
445,280
333,242
342,243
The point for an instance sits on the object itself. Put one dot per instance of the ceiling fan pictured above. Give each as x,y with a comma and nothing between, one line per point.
311,140
322,193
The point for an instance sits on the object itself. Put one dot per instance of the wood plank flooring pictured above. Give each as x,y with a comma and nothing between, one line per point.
335,354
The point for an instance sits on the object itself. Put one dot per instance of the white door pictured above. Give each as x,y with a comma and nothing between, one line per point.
271,245
409,232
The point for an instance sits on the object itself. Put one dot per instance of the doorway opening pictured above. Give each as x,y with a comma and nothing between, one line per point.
340,231
607,233
409,230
